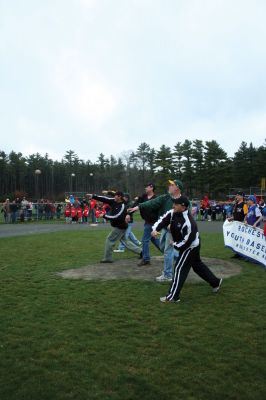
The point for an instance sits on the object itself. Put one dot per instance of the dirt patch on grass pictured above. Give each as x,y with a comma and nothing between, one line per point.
128,269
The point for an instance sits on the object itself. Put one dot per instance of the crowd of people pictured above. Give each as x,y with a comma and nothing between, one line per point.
22,210
211,210
85,210
89,210
73,210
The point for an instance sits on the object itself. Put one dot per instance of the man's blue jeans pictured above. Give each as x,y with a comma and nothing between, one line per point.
146,238
129,235
168,252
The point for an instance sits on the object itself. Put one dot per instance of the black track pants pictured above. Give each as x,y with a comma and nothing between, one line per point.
187,259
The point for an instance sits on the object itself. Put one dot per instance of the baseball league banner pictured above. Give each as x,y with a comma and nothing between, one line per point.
245,240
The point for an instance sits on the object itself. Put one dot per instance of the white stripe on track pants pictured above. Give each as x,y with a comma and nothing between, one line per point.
187,259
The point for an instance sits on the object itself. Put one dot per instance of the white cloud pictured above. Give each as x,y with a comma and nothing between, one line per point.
88,3
85,92
34,137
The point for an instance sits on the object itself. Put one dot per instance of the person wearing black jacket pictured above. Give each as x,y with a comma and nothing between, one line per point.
150,217
118,218
185,235
129,235
240,210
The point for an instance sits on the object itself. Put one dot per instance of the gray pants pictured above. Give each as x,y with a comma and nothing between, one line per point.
115,235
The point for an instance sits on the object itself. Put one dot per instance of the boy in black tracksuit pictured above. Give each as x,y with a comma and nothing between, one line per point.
186,240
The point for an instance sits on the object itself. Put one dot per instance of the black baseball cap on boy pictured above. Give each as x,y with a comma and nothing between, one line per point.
119,193
182,200
151,185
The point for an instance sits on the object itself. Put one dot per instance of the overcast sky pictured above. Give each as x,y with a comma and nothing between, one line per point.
105,75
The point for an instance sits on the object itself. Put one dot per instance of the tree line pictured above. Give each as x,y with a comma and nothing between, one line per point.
204,168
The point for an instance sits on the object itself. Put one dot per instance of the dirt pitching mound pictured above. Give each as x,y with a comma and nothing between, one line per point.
128,269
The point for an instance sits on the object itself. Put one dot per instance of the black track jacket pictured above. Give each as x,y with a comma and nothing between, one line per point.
183,229
117,213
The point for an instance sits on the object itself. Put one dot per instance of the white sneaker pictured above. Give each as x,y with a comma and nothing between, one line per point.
216,289
163,278
165,300
118,251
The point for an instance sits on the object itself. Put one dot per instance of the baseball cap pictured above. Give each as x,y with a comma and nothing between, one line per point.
119,193
252,198
151,185
176,182
182,200
239,193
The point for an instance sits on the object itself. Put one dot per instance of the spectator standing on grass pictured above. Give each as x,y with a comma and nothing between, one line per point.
24,209
29,210
74,215
76,203
67,213
262,207
185,239
79,214
59,210
71,199
40,206
240,210
14,211
93,204
213,211
205,205
85,213
228,209
6,211
53,209
254,216
218,211
194,211
47,210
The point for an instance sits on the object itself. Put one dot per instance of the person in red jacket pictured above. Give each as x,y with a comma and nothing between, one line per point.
205,205
67,213
79,214
85,214
74,214
93,204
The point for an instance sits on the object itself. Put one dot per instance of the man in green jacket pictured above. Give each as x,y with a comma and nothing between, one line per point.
161,205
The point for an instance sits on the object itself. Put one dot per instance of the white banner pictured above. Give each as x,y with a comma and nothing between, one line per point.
245,240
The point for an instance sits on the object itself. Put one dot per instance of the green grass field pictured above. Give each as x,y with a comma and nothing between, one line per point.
63,339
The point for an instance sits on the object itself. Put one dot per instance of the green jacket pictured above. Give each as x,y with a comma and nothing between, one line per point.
160,204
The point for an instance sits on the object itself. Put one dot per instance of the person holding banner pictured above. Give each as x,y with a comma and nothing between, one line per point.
240,208
254,216
240,211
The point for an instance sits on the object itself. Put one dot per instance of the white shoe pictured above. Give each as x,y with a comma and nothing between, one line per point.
163,278
118,251
216,289
165,300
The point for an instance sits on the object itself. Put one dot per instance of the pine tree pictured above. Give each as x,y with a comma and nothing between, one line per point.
164,166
